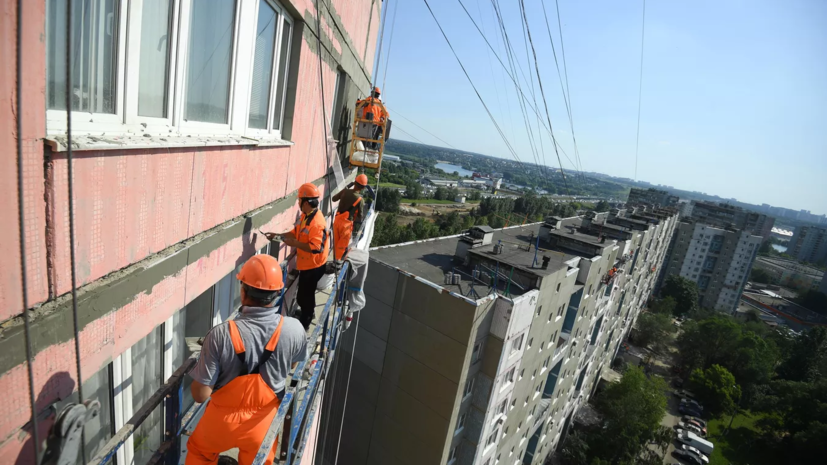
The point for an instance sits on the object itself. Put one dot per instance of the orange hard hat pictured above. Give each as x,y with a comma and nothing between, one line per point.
308,191
376,90
262,272
362,180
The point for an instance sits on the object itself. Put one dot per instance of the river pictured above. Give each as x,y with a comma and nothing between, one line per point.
449,168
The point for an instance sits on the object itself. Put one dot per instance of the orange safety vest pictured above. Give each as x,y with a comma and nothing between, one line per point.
239,414
373,108
343,230
312,229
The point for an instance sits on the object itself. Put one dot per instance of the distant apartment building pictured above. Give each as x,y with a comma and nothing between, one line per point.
809,244
651,196
823,286
718,259
724,215
480,348
790,273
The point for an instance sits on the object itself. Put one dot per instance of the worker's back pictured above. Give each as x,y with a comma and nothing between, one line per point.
218,364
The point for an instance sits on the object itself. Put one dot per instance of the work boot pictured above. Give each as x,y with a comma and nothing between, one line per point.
225,460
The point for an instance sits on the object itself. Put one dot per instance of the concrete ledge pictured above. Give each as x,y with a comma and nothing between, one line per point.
148,141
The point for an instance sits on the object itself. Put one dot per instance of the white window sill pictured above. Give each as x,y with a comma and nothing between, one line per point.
58,143
459,430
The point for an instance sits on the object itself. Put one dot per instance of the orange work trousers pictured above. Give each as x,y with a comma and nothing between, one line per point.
342,232
238,415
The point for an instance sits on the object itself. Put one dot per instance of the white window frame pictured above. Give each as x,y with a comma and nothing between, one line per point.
126,121
83,121
452,456
469,388
476,355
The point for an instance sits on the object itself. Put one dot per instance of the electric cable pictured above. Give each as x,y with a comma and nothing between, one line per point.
409,135
21,218
390,45
493,120
542,92
71,193
395,112
640,85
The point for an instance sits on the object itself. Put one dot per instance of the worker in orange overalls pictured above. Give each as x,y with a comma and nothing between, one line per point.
309,237
375,112
242,369
351,210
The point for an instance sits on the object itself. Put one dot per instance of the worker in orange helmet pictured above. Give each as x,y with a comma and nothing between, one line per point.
242,369
351,211
374,111
309,237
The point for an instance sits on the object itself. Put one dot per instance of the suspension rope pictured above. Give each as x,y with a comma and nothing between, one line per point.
542,92
71,193
390,45
347,387
509,73
21,218
420,127
640,85
467,76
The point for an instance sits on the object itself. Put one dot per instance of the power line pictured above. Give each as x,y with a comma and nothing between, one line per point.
420,127
390,44
564,89
543,94
409,134
509,73
640,86
493,120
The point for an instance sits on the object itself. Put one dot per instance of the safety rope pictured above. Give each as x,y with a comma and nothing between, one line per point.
71,193
347,388
21,218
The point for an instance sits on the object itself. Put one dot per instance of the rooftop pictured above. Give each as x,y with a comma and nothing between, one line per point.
431,259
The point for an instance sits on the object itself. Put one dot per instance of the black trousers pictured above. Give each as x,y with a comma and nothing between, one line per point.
306,294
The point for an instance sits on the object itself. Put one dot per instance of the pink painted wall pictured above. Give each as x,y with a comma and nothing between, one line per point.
130,204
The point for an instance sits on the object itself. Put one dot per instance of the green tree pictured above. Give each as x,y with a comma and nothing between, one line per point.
387,200
807,356
813,300
761,276
413,190
653,329
441,193
716,389
665,306
684,291
575,450
602,206
632,410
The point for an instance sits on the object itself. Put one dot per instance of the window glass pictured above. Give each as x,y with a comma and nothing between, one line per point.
153,75
146,379
210,55
98,430
263,65
284,54
93,55
197,317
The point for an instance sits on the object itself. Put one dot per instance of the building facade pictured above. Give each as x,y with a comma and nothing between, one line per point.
790,273
193,124
652,196
723,215
719,260
809,244
480,348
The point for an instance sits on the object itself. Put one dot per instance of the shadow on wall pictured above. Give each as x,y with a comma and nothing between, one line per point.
59,387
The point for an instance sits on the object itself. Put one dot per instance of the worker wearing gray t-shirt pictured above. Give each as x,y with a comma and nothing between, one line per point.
243,367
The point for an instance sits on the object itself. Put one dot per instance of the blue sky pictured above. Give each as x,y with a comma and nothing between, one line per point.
734,96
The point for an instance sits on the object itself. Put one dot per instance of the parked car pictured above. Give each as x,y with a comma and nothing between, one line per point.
684,394
687,456
697,425
690,427
694,404
694,450
688,409
697,420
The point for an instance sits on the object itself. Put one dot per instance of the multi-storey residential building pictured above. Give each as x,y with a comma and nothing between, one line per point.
723,215
193,124
809,244
479,348
651,196
718,259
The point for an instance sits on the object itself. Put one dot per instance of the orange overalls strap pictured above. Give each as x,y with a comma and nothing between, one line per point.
343,230
240,413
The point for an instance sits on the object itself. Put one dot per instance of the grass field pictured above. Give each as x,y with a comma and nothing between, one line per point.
390,184
742,445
